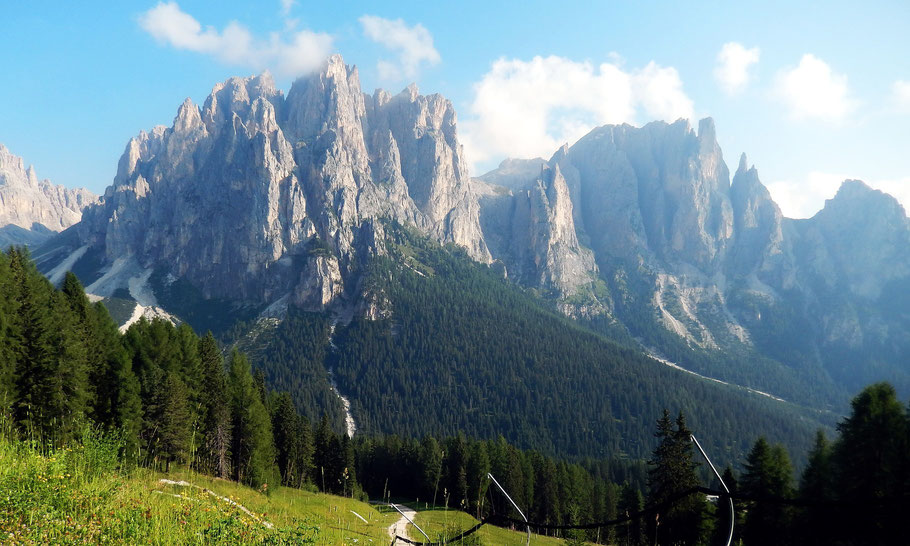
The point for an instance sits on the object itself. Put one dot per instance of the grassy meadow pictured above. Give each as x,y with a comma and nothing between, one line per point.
82,495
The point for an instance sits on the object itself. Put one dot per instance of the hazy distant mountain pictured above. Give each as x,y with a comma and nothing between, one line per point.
31,210
685,251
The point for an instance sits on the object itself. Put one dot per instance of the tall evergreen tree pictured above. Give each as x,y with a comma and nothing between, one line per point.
478,483
630,502
286,427
305,452
672,472
39,404
817,484
870,462
174,421
215,409
324,442
430,459
768,474
253,452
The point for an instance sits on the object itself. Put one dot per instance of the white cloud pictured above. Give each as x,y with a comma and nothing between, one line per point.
286,6
289,54
732,68
900,94
413,46
803,199
813,91
530,108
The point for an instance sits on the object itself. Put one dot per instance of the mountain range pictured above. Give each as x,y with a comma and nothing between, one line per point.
258,205
32,210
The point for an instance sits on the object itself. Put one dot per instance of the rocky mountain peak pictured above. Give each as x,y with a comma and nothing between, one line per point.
259,197
515,173
189,118
743,164
861,238
29,203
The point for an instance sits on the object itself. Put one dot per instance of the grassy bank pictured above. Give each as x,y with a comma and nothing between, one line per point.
82,495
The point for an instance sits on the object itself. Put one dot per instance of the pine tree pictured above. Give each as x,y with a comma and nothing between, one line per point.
631,502
817,484
430,460
8,342
215,409
39,405
870,461
674,472
286,427
305,452
174,419
768,475
324,440
253,451
478,483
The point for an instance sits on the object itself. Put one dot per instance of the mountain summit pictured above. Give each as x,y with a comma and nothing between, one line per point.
257,196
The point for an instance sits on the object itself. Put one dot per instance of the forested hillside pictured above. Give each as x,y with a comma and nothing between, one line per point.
461,348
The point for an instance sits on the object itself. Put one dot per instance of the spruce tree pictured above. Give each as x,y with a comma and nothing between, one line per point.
252,452
8,341
869,462
39,404
325,441
672,472
215,410
286,427
817,484
305,452
478,483
174,419
768,474
630,502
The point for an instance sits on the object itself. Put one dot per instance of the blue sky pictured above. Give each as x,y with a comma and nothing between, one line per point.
812,92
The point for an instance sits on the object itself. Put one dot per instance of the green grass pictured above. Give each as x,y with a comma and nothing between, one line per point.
439,523
81,496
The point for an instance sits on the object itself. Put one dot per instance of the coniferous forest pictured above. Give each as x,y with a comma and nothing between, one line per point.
175,399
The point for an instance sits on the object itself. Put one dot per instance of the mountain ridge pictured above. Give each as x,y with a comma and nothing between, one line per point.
259,201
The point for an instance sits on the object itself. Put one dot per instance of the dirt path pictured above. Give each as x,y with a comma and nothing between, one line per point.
400,527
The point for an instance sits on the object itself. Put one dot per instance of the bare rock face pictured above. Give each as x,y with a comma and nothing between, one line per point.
256,196
536,239
860,240
660,191
35,208
652,213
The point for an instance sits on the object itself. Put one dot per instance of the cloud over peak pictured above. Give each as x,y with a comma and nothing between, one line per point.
288,54
529,108
812,90
412,45
732,68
